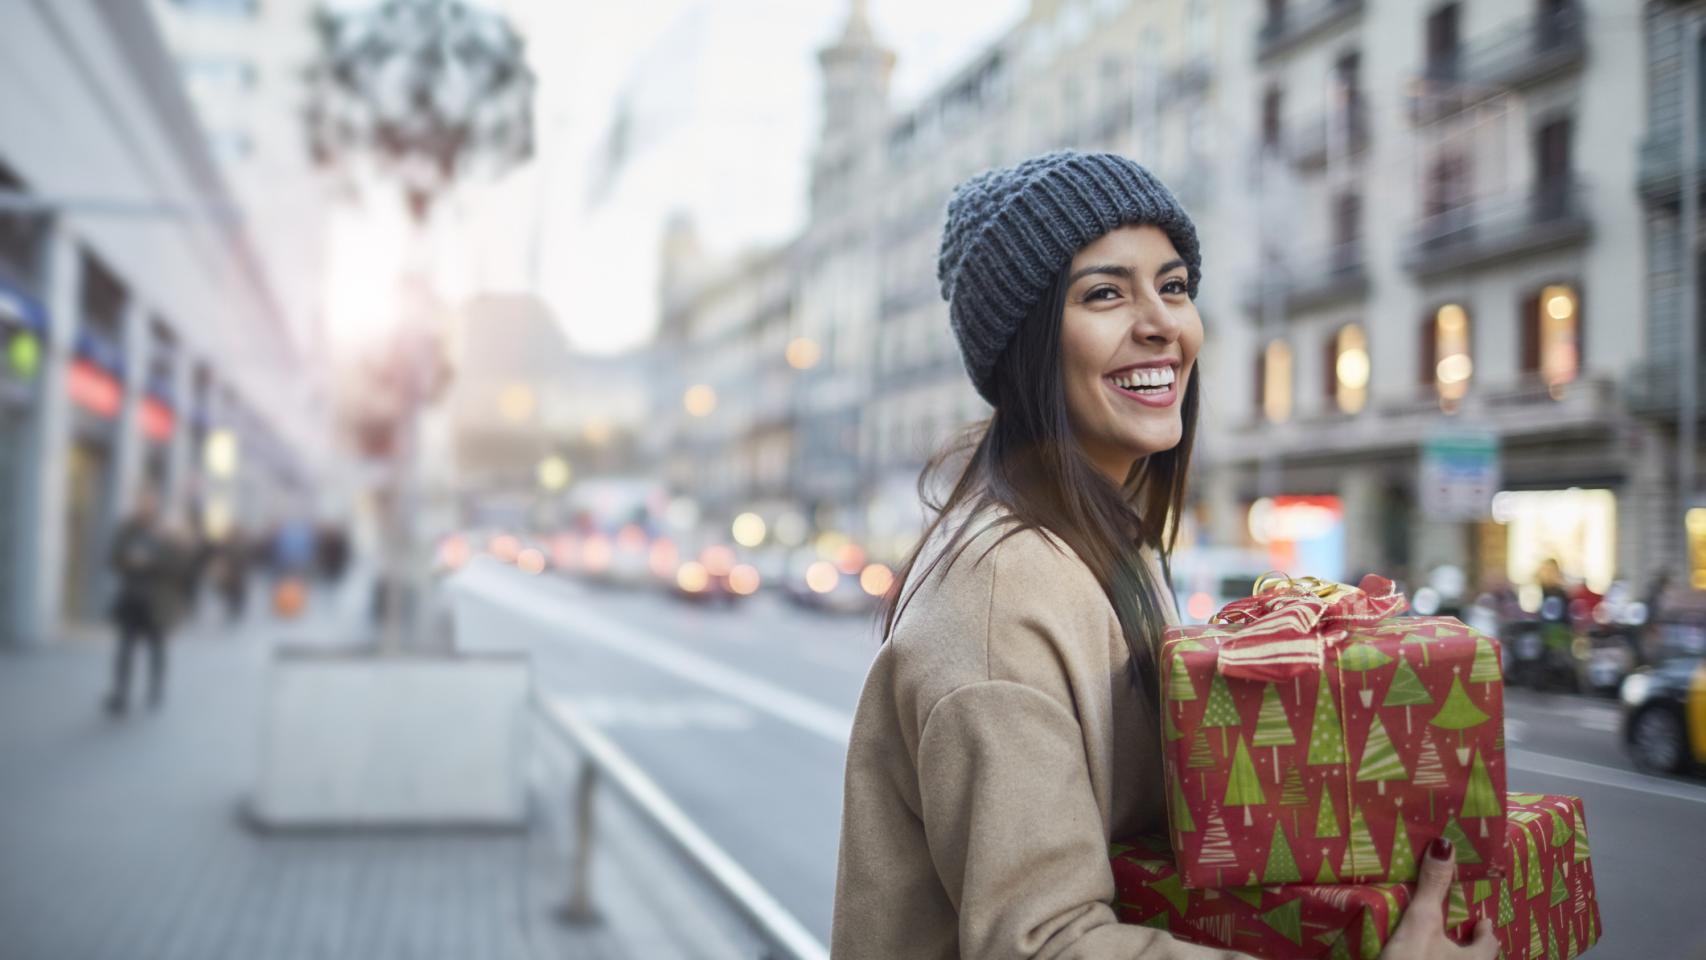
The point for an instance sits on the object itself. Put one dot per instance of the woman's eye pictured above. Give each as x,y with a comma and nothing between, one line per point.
1175,285
1102,293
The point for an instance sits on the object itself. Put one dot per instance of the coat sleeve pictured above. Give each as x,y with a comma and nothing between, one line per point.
1015,834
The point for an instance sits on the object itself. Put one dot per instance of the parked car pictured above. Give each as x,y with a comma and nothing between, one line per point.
1664,706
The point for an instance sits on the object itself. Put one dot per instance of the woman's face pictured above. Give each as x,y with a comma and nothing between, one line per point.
1129,340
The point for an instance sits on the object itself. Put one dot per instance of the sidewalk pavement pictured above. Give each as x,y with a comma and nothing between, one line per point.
123,838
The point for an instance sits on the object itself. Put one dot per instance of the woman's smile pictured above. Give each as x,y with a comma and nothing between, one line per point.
1153,384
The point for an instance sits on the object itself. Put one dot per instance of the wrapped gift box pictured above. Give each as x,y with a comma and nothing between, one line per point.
1543,906
1324,739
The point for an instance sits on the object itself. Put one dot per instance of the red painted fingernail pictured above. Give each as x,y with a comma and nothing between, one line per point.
1440,849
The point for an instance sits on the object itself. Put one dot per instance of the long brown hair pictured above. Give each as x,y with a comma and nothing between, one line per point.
1025,460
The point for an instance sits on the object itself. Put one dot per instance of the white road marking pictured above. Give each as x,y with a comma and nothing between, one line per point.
1604,776
1515,730
642,645
654,713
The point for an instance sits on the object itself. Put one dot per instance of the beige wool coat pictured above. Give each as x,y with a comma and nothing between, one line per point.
997,747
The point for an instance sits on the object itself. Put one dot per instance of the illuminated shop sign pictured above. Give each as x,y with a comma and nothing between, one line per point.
94,389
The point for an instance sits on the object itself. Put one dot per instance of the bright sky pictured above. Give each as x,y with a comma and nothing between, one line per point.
723,96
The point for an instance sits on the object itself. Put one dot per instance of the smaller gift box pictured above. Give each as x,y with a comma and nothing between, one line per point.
1543,907
1313,734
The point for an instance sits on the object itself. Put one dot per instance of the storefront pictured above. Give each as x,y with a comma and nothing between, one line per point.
1301,533
1576,527
22,328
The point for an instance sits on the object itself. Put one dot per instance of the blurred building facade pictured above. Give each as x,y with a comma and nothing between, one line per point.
243,63
145,345
1422,231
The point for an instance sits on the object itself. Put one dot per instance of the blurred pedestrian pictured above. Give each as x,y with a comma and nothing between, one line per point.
147,565
231,574
1006,732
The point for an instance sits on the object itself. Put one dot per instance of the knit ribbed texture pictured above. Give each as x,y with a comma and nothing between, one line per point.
1010,231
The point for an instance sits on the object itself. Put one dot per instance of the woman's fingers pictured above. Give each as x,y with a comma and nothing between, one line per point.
1485,946
1438,872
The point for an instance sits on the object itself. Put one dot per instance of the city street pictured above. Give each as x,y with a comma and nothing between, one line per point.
741,715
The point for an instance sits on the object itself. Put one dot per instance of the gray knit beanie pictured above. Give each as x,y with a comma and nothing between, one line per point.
1010,231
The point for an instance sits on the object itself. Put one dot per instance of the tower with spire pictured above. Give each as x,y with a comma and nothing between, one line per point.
856,69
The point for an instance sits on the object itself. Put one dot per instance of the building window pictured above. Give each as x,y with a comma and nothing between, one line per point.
1552,336
1348,368
1444,42
1552,167
1273,381
1272,102
1445,354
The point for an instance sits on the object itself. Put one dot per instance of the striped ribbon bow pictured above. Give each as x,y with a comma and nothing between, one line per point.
1285,628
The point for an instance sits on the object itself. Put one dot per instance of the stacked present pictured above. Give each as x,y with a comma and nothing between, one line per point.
1315,743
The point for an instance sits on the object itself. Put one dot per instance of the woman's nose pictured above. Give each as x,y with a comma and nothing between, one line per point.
1153,322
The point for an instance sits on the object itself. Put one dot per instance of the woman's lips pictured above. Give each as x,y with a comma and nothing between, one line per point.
1158,398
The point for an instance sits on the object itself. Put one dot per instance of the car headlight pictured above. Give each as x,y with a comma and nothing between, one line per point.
1635,688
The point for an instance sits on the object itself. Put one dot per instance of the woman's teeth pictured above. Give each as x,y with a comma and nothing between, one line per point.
1146,380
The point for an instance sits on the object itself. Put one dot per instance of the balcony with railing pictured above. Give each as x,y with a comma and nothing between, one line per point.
1292,24
1340,132
1661,164
1489,230
1537,48
1324,277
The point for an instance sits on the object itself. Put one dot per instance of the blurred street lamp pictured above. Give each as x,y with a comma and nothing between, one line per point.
219,454
554,473
699,400
748,529
803,353
516,402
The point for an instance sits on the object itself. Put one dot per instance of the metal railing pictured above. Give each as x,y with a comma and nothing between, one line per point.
1536,47
1337,131
782,936
1488,229
1297,22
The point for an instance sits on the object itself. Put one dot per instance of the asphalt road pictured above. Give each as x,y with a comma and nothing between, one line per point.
741,714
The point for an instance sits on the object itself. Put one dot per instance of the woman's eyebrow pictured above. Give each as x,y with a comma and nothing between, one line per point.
1111,269
1170,266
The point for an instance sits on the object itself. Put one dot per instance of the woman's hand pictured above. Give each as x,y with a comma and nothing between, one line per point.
1421,934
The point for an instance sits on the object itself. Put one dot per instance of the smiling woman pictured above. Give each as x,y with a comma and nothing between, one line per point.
1010,729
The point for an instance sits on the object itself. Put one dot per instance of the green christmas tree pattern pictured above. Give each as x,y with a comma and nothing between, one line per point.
1552,945
1485,668
1243,789
1507,909
1292,794
1287,920
1458,712
1201,758
1221,711
1465,850
1281,866
1536,881
1421,640
1362,658
1216,850
1369,948
1560,830
1479,799
1326,819
1403,853
1407,691
1180,686
1430,770
1172,888
1559,891
1179,810
1169,730
1273,727
1325,876
1380,760
1581,837
1326,737
1456,907
1362,857
1536,920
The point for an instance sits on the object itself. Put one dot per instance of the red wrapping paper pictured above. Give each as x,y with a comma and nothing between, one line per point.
1336,774
1543,907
